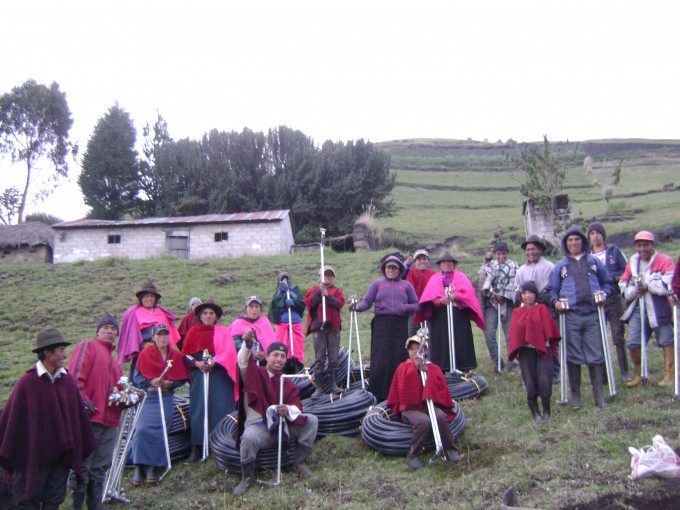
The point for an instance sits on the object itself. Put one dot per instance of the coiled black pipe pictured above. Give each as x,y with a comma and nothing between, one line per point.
307,387
227,458
180,415
340,415
466,386
382,432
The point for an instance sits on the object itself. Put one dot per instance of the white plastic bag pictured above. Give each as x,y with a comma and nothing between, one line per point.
658,459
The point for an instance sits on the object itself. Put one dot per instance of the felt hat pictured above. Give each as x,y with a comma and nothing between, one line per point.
209,304
148,287
535,240
48,338
446,256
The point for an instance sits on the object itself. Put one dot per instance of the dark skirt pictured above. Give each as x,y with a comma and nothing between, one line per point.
464,343
220,400
147,446
388,336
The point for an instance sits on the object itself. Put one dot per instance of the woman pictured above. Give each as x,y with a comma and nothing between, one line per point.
222,373
286,311
433,308
394,300
138,322
533,337
253,323
147,446
188,321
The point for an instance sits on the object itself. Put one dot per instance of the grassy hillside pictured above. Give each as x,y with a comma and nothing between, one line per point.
447,193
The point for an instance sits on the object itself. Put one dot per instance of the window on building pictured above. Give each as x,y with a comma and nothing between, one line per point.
114,239
221,236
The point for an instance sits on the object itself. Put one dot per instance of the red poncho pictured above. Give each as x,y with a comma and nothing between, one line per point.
407,392
43,422
198,338
533,326
151,364
419,278
464,293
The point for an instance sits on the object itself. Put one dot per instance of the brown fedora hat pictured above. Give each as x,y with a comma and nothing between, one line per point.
446,256
48,338
209,304
148,287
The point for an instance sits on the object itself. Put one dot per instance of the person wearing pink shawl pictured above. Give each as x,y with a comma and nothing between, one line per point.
138,322
465,308
255,324
223,378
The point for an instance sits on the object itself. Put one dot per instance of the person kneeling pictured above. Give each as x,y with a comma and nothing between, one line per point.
407,400
260,392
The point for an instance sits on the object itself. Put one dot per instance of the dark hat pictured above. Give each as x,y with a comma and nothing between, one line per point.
598,227
282,275
209,303
158,328
446,256
49,337
277,346
250,299
148,287
534,239
107,319
501,246
391,260
529,285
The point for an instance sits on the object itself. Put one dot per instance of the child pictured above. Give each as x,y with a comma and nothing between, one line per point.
533,336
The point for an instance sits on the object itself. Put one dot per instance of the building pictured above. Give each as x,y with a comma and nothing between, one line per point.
185,237
30,242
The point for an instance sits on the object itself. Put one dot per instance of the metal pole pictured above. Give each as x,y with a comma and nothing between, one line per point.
290,328
361,363
349,345
206,427
498,340
676,350
323,298
564,374
599,297
452,335
644,371
165,434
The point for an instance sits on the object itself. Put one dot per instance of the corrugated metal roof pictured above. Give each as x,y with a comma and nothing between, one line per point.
256,216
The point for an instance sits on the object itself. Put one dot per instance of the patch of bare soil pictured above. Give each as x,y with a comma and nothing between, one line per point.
666,497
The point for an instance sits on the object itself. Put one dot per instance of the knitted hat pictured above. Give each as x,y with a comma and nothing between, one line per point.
530,285
501,246
108,319
194,300
50,337
277,346
597,226
328,268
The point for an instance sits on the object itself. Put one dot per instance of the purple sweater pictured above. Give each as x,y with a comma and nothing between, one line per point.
391,297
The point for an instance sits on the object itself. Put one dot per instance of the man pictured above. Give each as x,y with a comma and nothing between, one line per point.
417,272
44,428
646,277
326,334
537,269
576,278
615,262
497,280
96,373
408,398
285,311
260,393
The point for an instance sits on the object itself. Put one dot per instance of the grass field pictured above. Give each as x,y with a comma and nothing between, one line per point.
580,461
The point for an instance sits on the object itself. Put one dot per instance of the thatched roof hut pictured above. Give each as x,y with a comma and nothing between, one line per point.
26,242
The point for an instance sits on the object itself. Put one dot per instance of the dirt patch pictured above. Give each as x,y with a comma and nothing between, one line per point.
665,497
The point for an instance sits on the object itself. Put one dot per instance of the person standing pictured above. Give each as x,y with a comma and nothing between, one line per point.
647,277
615,262
326,334
393,299
498,290
417,272
576,278
188,321
286,310
44,428
96,373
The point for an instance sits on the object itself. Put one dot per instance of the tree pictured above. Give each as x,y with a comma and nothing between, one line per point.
9,204
34,123
156,137
110,179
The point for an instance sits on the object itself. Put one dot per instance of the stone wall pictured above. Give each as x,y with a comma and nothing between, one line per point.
28,255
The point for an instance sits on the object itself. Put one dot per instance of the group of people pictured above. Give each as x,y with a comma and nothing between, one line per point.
240,366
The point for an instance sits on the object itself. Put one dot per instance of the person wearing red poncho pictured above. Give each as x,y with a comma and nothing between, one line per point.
188,321
417,272
259,411
407,400
209,336
147,445
44,428
532,338
433,308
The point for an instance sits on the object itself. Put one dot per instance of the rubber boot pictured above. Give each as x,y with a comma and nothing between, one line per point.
334,383
597,380
151,475
195,455
546,411
575,385
95,491
76,498
138,476
669,366
635,356
622,356
247,479
318,392
299,462
533,407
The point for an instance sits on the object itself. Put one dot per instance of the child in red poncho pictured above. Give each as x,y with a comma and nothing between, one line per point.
533,336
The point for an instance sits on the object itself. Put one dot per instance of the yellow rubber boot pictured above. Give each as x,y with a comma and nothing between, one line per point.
669,365
635,355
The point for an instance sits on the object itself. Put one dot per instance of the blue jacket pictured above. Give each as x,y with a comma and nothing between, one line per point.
563,284
615,263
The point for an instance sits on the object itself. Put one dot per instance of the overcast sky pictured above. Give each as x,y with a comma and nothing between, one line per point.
378,70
